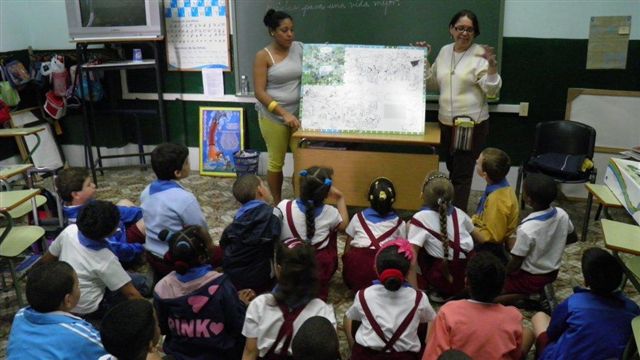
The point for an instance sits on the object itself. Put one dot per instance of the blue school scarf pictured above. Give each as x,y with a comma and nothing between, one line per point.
303,208
162,185
487,191
449,209
543,217
404,284
91,244
194,273
303,302
248,206
372,216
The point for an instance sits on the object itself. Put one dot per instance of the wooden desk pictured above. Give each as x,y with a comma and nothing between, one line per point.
354,170
625,238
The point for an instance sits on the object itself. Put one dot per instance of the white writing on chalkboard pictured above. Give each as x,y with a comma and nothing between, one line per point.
289,5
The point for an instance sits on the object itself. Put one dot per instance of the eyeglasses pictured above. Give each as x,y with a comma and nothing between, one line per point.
464,29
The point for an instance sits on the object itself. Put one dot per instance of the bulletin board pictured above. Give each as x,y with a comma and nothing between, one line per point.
613,113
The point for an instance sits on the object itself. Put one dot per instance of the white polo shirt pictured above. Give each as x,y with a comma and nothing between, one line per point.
390,308
360,239
327,220
264,319
431,219
96,269
542,241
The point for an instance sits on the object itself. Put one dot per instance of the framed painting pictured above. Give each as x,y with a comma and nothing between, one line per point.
221,136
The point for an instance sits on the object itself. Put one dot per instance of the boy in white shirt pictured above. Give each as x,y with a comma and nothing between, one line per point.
84,247
540,241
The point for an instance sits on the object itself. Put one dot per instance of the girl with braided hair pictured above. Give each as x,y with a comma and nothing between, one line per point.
311,221
199,310
369,230
441,235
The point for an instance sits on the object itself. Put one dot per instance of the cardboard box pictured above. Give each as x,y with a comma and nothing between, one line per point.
623,178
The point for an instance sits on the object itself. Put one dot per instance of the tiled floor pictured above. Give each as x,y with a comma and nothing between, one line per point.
214,195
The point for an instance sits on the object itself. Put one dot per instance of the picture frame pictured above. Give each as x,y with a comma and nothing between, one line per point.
221,136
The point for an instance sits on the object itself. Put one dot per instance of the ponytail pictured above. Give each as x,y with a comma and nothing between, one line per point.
298,279
393,261
315,184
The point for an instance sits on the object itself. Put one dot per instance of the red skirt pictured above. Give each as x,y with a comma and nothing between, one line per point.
327,260
360,352
358,268
433,274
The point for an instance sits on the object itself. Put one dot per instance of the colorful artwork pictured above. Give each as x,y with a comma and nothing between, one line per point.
221,136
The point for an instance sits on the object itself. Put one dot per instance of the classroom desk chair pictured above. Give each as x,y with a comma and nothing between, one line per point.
605,199
14,240
7,172
624,238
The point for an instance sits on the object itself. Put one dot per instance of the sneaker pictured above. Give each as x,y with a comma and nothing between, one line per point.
436,298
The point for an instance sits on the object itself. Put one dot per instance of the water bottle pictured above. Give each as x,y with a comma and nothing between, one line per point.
244,85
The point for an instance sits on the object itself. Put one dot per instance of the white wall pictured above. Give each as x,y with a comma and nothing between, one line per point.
564,19
42,24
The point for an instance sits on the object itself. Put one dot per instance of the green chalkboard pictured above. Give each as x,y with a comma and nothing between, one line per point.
369,22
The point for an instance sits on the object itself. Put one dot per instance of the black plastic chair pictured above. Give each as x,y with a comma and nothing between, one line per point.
562,137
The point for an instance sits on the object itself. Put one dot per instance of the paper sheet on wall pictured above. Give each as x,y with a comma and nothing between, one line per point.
363,89
608,42
212,82
197,34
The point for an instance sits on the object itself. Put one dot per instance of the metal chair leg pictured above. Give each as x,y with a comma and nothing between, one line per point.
16,284
585,225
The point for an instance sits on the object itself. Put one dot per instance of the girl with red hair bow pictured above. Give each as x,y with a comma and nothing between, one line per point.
390,311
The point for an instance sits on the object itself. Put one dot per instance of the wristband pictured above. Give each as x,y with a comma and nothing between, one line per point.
272,105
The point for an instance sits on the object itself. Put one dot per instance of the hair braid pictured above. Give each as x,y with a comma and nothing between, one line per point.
310,219
443,207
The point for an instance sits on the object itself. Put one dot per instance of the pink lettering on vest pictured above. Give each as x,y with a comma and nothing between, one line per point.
201,328
186,328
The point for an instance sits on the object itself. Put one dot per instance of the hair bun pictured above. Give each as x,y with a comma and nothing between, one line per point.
267,17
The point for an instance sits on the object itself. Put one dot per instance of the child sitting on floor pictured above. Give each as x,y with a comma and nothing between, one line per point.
498,211
540,241
195,296
84,246
593,323
441,235
477,326
310,220
273,319
390,311
129,331
46,329
248,241
367,232
76,188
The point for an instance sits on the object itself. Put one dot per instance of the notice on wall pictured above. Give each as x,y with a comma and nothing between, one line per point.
197,34
608,42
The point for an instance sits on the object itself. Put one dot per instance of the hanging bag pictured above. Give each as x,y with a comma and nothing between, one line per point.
462,133
17,74
55,105
8,94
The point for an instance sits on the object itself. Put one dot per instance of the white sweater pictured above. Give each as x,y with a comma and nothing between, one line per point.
463,83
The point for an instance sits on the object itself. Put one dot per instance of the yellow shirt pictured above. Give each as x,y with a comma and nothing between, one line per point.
500,216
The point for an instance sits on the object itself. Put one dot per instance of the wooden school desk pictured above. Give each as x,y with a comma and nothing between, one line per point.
354,170
22,132
624,238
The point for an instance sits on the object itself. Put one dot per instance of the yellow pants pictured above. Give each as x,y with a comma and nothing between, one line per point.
277,136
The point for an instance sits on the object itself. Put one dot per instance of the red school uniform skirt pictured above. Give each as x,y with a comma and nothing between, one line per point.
358,269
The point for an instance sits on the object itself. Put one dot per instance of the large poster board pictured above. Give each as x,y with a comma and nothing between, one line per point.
197,34
363,89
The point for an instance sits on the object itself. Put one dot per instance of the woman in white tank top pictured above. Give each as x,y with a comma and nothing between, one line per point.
277,71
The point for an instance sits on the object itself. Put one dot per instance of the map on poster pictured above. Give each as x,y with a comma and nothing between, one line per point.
363,89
